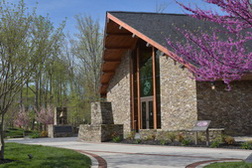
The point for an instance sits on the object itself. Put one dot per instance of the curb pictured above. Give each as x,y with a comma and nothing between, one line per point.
97,161
201,164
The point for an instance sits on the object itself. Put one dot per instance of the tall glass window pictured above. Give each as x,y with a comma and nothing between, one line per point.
144,112
145,67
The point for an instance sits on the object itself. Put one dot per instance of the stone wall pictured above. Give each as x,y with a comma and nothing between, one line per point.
90,133
160,134
101,113
178,96
60,131
231,110
100,133
119,94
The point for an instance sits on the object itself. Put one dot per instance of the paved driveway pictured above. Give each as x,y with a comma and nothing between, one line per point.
141,156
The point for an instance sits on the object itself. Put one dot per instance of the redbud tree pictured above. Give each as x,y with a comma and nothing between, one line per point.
22,118
45,115
219,54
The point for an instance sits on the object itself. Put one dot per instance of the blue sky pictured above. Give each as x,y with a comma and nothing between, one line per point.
58,10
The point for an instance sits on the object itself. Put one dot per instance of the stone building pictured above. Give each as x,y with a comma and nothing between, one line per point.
150,89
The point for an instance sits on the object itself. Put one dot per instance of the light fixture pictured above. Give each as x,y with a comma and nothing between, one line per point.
182,66
213,85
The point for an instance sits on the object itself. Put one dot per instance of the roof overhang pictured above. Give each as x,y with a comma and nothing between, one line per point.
120,37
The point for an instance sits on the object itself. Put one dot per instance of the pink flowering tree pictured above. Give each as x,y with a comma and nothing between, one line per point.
22,119
45,115
211,57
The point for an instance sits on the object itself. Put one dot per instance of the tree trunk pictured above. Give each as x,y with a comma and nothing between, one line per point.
27,96
2,137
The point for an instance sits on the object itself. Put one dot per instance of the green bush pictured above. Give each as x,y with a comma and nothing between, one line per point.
186,142
163,141
34,135
246,145
116,139
215,144
138,141
171,137
131,135
150,137
18,133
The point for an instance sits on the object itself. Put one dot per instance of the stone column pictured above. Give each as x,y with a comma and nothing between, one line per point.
101,113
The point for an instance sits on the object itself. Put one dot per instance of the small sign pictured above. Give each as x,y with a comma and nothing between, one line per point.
201,125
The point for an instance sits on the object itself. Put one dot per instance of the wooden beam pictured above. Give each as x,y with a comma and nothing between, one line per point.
104,84
108,71
120,34
117,48
154,88
132,95
114,61
138,91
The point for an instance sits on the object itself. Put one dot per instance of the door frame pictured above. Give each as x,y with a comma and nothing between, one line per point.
147,119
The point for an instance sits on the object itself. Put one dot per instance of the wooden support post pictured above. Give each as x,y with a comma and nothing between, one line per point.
132,95
196,137
138,92
154,88
207,138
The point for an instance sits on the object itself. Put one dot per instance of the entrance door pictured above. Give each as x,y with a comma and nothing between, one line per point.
147,112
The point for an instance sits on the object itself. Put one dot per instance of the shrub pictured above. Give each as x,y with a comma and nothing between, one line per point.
138,141
186,142
116,139
171,136
44,134
150,137
215,144
35,135
180,137
229,140
163,142
246,145
131,135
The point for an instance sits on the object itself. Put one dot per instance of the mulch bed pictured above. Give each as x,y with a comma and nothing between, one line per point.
237,145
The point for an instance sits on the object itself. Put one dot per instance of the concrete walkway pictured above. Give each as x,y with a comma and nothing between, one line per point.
141,156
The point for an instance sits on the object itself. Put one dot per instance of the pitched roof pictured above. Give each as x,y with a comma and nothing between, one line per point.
159,27
123,29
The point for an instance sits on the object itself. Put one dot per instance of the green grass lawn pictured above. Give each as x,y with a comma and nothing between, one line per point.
230,165
43,157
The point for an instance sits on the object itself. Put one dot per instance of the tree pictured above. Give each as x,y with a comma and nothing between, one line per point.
88,49
219,53
45,115
18,54
22,118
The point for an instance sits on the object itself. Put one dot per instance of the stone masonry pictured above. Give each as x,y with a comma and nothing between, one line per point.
119,94
184,100
227,109
102,126
101,113
178,96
